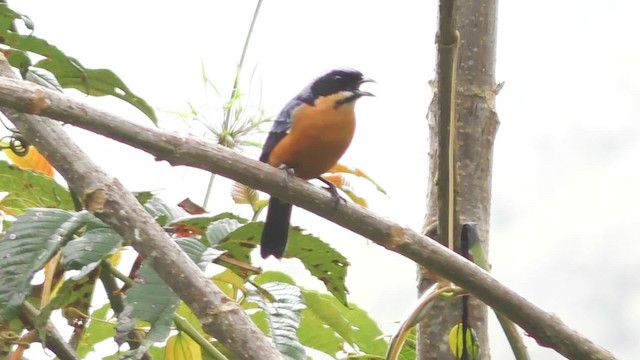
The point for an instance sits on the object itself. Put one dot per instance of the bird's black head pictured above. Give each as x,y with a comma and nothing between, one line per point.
339,80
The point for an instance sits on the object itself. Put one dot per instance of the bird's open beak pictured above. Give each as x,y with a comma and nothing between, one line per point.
366,80
365,93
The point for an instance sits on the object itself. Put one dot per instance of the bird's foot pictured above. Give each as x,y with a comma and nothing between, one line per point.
333,190
287,172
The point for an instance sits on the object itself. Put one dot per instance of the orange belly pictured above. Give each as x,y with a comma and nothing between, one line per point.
318,137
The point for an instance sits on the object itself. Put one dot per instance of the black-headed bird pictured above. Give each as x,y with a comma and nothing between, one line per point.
308,138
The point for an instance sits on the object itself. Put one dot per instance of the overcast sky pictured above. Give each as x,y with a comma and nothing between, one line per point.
566,165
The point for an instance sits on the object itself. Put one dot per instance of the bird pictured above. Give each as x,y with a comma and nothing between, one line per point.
308,137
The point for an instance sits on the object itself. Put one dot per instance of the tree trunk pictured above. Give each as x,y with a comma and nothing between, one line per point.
477,123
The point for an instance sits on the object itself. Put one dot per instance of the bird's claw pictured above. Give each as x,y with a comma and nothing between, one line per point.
335,197
333,190
287,172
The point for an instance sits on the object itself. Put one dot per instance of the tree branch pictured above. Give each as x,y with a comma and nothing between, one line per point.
106,198
54,341
200,294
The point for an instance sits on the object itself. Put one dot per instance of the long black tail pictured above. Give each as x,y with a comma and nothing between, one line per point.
276,229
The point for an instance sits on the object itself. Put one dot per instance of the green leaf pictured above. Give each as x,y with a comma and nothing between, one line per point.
28,245
86,252
408,351
98,330
322,308
143,196
94,82
28,189
283,315
322,261
7,16
219,229
151,300
457,342
43,78
162,212
351,325
200,254
208,226
18,59
74,292
273,276
69,72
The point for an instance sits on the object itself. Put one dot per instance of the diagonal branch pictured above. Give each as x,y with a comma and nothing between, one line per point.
106,198
545,327
54,341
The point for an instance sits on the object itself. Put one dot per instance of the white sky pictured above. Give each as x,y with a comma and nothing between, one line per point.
566,172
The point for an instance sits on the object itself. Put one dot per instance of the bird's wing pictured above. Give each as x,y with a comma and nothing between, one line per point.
280,128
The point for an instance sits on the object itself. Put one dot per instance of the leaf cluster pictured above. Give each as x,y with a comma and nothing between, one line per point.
85,252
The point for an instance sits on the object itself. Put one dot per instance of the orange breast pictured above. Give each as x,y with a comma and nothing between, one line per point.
318,137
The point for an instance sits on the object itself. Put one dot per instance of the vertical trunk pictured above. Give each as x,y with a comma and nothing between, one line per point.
477,123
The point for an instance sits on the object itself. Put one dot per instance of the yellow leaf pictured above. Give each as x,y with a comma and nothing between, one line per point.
242,194
456,342
339,168
229,282
341,183
33,160
182,347
49,279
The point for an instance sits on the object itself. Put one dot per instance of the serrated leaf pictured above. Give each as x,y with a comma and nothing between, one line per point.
320,259
218,230
458,343
163,212
325,310
240,243
86,252
194,249
353,325
151,300
243,194
29,190
33,239
283,316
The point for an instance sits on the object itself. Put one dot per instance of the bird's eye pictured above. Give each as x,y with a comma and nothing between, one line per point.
337,77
